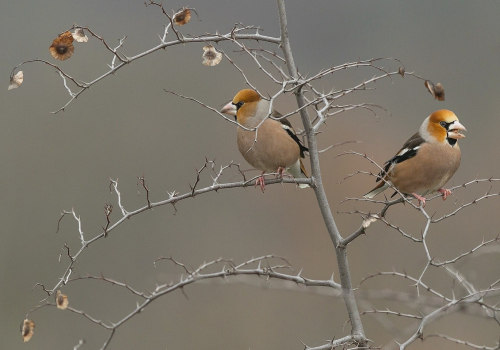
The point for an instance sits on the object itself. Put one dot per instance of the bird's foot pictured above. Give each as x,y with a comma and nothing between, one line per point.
261,182
421,200
280,172
444,192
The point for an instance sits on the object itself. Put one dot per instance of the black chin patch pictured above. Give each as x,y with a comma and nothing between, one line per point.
451,141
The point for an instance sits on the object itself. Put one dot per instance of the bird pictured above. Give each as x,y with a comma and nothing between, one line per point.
426,161
273,146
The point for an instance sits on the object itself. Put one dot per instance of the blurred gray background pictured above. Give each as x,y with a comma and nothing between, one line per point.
127,126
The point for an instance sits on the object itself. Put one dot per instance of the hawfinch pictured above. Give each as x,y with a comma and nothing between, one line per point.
427,160
274,147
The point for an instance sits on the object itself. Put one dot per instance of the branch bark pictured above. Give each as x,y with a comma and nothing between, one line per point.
340,251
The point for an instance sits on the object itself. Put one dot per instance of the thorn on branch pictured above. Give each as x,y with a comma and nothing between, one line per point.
108,209
49,292
66,246
142,181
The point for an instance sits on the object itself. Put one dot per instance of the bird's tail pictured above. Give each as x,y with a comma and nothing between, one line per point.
379,188
299,172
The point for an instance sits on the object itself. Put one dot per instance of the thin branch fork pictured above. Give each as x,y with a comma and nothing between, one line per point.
232,36
174,197
462,342
193,276
471,298
332,344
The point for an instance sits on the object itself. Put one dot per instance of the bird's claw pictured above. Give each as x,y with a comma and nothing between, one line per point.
280,172
261,182
421,200
444,192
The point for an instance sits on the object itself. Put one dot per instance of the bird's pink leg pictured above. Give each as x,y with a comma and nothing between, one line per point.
421,200
280,172
445,192
261,181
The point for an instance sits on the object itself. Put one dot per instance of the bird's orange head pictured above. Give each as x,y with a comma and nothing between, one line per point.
243,106
442,125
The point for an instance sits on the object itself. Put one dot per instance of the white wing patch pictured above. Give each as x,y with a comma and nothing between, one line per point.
405,150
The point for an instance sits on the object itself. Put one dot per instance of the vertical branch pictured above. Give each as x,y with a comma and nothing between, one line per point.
340,250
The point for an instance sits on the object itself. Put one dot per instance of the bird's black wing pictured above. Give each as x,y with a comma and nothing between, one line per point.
409,150
291,132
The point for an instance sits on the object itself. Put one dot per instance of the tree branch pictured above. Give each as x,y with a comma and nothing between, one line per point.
345,278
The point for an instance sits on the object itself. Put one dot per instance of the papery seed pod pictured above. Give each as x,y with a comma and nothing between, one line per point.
62,47
439,92
79,35
369,220
436,90
211,57
182,16
27,327
16,80
401,71
61,300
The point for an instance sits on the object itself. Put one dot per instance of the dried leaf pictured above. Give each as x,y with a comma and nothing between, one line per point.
430,86
79,35
27,327
439,92
401,71
61,300
211,56
436,90
182,16
62,47
16,80
369,220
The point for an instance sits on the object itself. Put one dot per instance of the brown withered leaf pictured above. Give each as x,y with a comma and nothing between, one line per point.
182,16
79,35
27,327
439,92
61,300
62,47
430,86
211,56
436,90
401,71
16,80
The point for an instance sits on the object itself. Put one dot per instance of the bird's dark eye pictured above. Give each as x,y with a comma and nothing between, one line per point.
239,104
443,124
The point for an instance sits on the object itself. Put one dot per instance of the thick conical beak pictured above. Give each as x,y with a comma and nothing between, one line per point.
230,108
455,130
